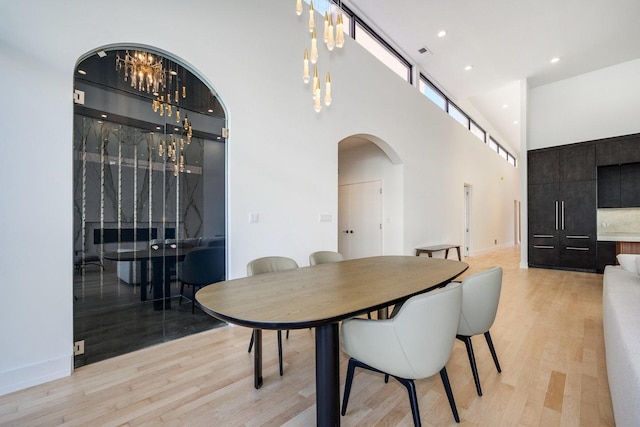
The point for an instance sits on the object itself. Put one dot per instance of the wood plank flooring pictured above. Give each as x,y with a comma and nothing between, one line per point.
548,336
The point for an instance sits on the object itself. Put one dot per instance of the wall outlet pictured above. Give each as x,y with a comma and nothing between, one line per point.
325,217
254,218
78,348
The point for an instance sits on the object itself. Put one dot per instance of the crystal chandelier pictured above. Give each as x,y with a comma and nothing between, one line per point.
147,74
333,36
143,70
175,147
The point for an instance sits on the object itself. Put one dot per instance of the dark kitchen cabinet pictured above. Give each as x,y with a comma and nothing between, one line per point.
630,185
619,186
544,166
562,207
606,255
619,150
578,163
609,186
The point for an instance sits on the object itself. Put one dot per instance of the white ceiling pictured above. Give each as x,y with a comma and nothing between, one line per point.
506,41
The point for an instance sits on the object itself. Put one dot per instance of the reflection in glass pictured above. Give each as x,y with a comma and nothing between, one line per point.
144,186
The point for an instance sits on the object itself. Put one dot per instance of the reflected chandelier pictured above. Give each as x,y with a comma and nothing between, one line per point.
147,74
333,36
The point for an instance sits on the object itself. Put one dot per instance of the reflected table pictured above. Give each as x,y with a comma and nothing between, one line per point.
319,297
161,260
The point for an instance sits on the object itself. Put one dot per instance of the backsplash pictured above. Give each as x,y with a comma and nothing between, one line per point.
625,220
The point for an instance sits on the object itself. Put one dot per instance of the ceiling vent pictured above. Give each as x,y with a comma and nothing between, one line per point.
425,51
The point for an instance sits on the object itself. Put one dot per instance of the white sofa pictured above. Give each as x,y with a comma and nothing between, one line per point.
621,319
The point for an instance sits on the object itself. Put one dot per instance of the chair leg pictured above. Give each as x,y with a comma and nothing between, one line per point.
250,342
413,398
447,388
472,361
347,385
487,336
280,350
193,299
181,292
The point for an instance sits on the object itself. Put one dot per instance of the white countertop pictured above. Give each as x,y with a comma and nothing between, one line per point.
619,237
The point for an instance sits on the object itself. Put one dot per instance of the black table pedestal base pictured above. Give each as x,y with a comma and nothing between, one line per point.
327,375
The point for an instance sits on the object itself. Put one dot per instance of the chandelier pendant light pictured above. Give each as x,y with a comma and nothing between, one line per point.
333,36
305,67
312,24
146,73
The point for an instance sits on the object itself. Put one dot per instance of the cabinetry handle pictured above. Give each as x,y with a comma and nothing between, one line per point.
544,236
577,237
543,247
563,214
571,248
556,215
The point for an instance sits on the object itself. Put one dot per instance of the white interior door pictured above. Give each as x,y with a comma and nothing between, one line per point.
360,219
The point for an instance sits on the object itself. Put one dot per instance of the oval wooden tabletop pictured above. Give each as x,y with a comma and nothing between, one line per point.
325,293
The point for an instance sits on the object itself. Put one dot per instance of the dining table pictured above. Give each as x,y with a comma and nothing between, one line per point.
162,258
319,297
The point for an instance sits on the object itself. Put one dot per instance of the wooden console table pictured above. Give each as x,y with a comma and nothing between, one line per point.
429,250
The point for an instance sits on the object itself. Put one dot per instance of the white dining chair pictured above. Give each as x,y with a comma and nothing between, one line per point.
264,265
415,344
480,297
324,257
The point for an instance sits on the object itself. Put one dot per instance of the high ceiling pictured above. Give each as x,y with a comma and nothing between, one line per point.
506,41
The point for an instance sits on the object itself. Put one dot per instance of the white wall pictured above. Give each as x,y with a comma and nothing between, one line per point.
595,105
282,156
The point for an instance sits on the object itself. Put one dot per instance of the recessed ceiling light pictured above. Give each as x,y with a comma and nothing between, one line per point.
83,72
210,110
442,33
505,106
515,122
468,67
554,60
104,116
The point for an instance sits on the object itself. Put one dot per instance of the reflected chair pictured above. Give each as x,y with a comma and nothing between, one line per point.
201,267
324,257
268,265
415,344
81,259
480,297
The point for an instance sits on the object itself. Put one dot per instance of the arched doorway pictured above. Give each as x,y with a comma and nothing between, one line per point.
370,202
149,180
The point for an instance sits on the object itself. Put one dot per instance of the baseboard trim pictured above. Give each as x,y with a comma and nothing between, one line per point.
39,373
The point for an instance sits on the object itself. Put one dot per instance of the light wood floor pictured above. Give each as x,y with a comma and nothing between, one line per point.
548,336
